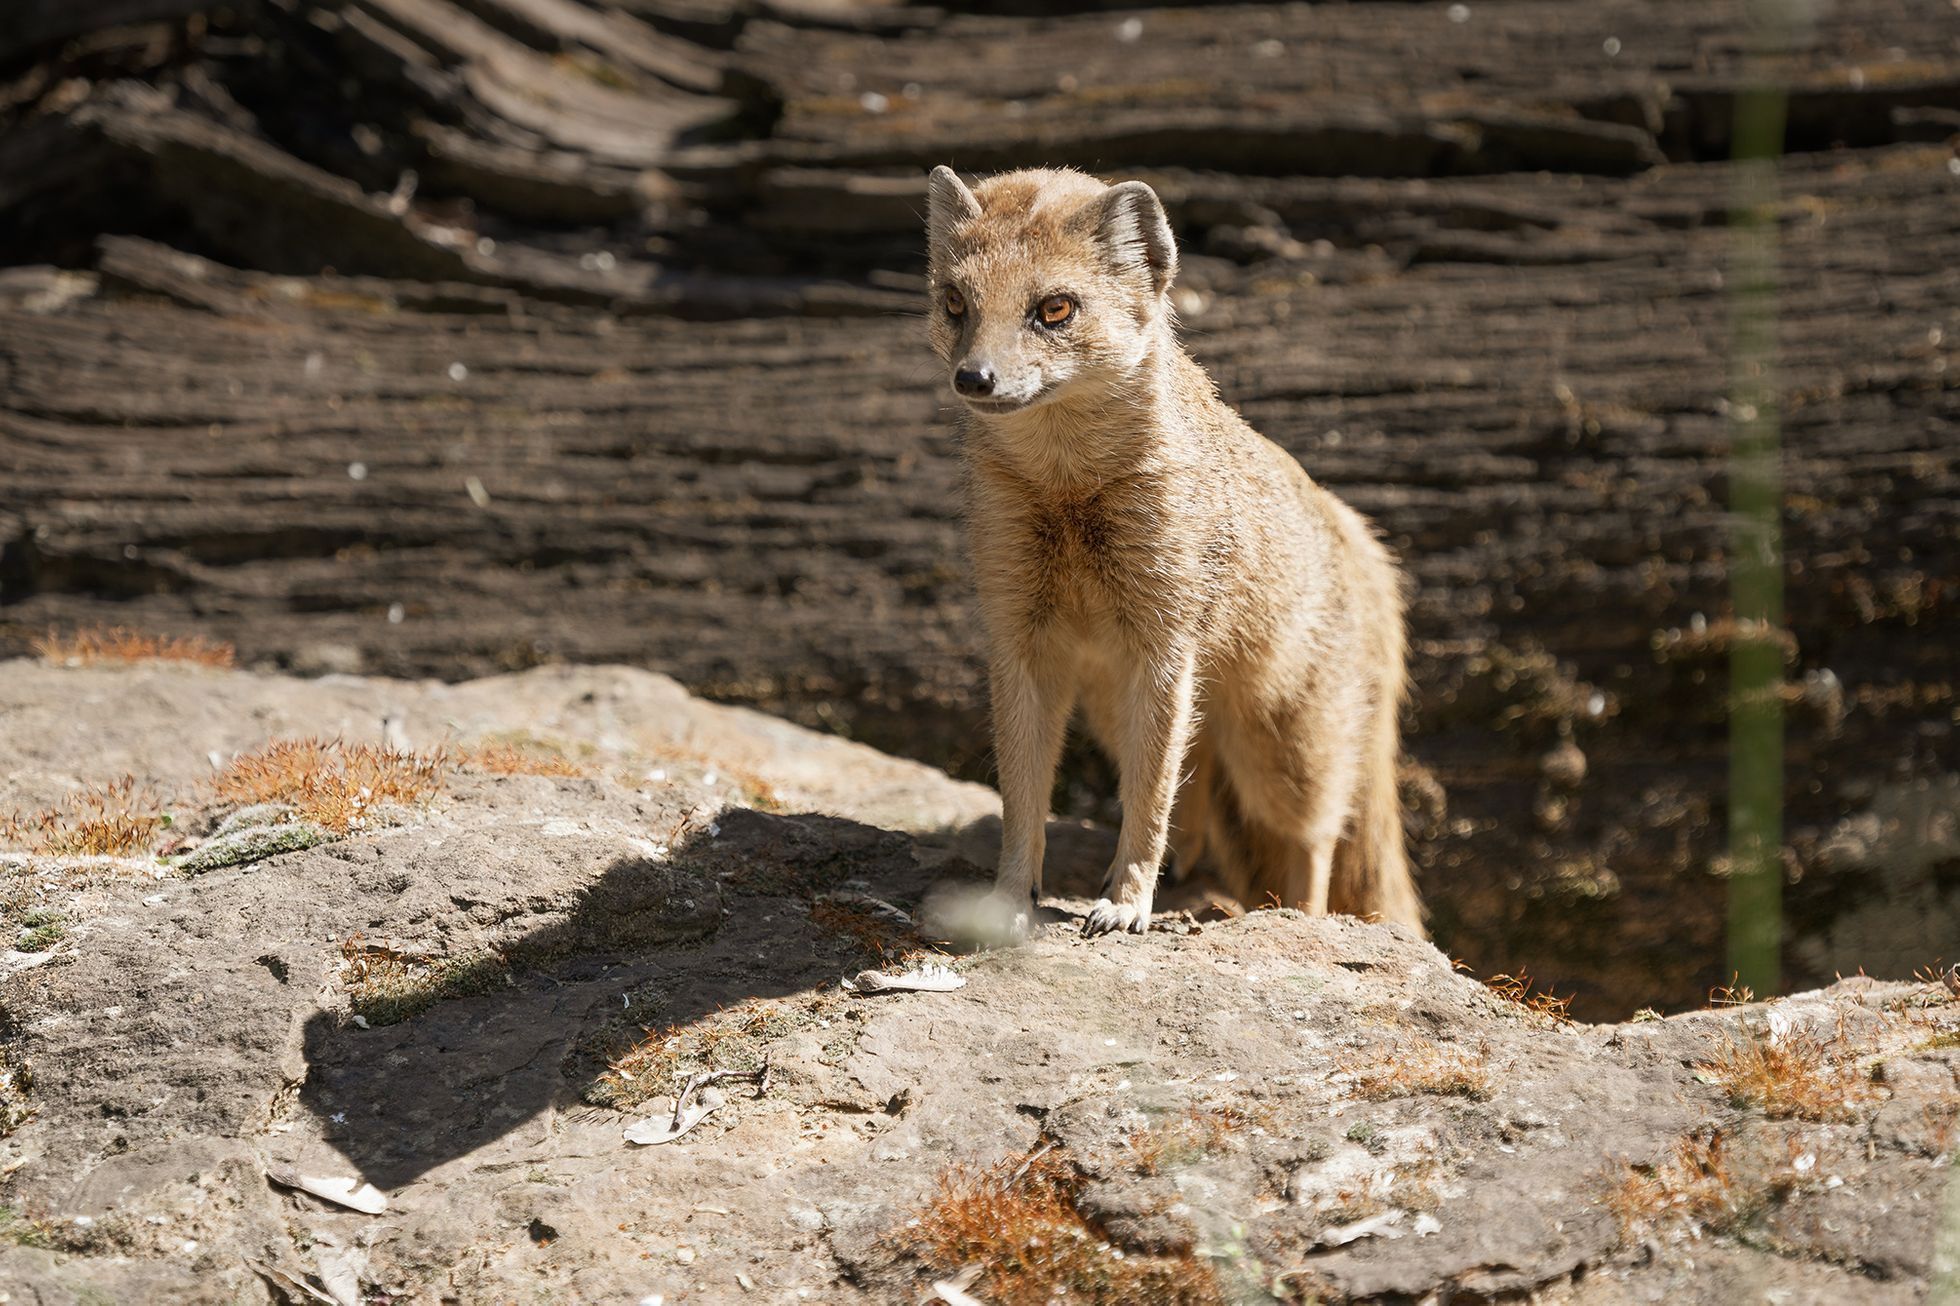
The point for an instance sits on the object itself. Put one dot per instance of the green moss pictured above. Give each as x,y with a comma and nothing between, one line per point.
252,834
40,930
16,1078
842,1043
18,1230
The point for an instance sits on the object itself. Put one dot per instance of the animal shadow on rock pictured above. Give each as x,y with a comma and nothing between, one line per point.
723,919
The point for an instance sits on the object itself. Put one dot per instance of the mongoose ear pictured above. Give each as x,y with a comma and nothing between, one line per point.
1137,233
948,203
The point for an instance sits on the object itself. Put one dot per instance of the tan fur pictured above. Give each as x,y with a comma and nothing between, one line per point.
1231,632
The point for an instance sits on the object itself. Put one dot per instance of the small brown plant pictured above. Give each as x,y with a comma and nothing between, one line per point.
1692,1185
1412,1186
119,819
1733,994
331,784
385,987
86,648
749,783
1789,1073
885,938
1517,989
1434,1069
1943,979
731,1039
1195,1133
1018,1219
510,759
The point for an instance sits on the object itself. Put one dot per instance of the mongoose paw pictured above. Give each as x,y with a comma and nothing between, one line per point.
1108,917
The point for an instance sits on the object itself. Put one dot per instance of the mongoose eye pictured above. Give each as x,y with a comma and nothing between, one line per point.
955,303
1055,310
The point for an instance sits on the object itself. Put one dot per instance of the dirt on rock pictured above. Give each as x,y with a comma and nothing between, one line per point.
466,1000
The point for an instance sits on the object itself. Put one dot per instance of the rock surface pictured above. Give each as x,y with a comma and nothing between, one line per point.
1274,1107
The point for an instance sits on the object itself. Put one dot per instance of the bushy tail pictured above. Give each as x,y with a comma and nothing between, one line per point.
1371,874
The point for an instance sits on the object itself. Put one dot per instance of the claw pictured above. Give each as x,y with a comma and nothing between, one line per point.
1108,917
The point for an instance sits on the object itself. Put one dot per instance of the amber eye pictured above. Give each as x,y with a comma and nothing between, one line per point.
955,303
1055,310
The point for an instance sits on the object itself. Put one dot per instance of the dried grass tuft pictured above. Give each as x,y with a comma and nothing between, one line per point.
510,759
885,938
1692,1186
119,644
1190,1136
1789,1073
1018,1220
385,987
1410,1186
1433,1069
754,790
328,783
1733,994
1518,989
119,819
1943,981
731,1039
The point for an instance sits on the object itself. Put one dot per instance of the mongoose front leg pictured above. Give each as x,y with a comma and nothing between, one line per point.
1159,703
1030,716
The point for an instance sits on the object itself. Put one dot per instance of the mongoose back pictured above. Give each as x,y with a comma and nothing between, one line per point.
1231,632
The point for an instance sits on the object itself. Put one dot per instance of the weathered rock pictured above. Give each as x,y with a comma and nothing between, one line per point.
1239,1098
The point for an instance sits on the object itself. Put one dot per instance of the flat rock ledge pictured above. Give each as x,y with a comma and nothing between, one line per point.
463,1003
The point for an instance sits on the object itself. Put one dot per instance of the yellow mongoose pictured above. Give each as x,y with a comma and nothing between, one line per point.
1143,553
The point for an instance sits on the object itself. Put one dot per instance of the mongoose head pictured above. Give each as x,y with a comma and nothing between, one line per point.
1046,284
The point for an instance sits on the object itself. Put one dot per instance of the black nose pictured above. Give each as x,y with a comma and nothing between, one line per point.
976,382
